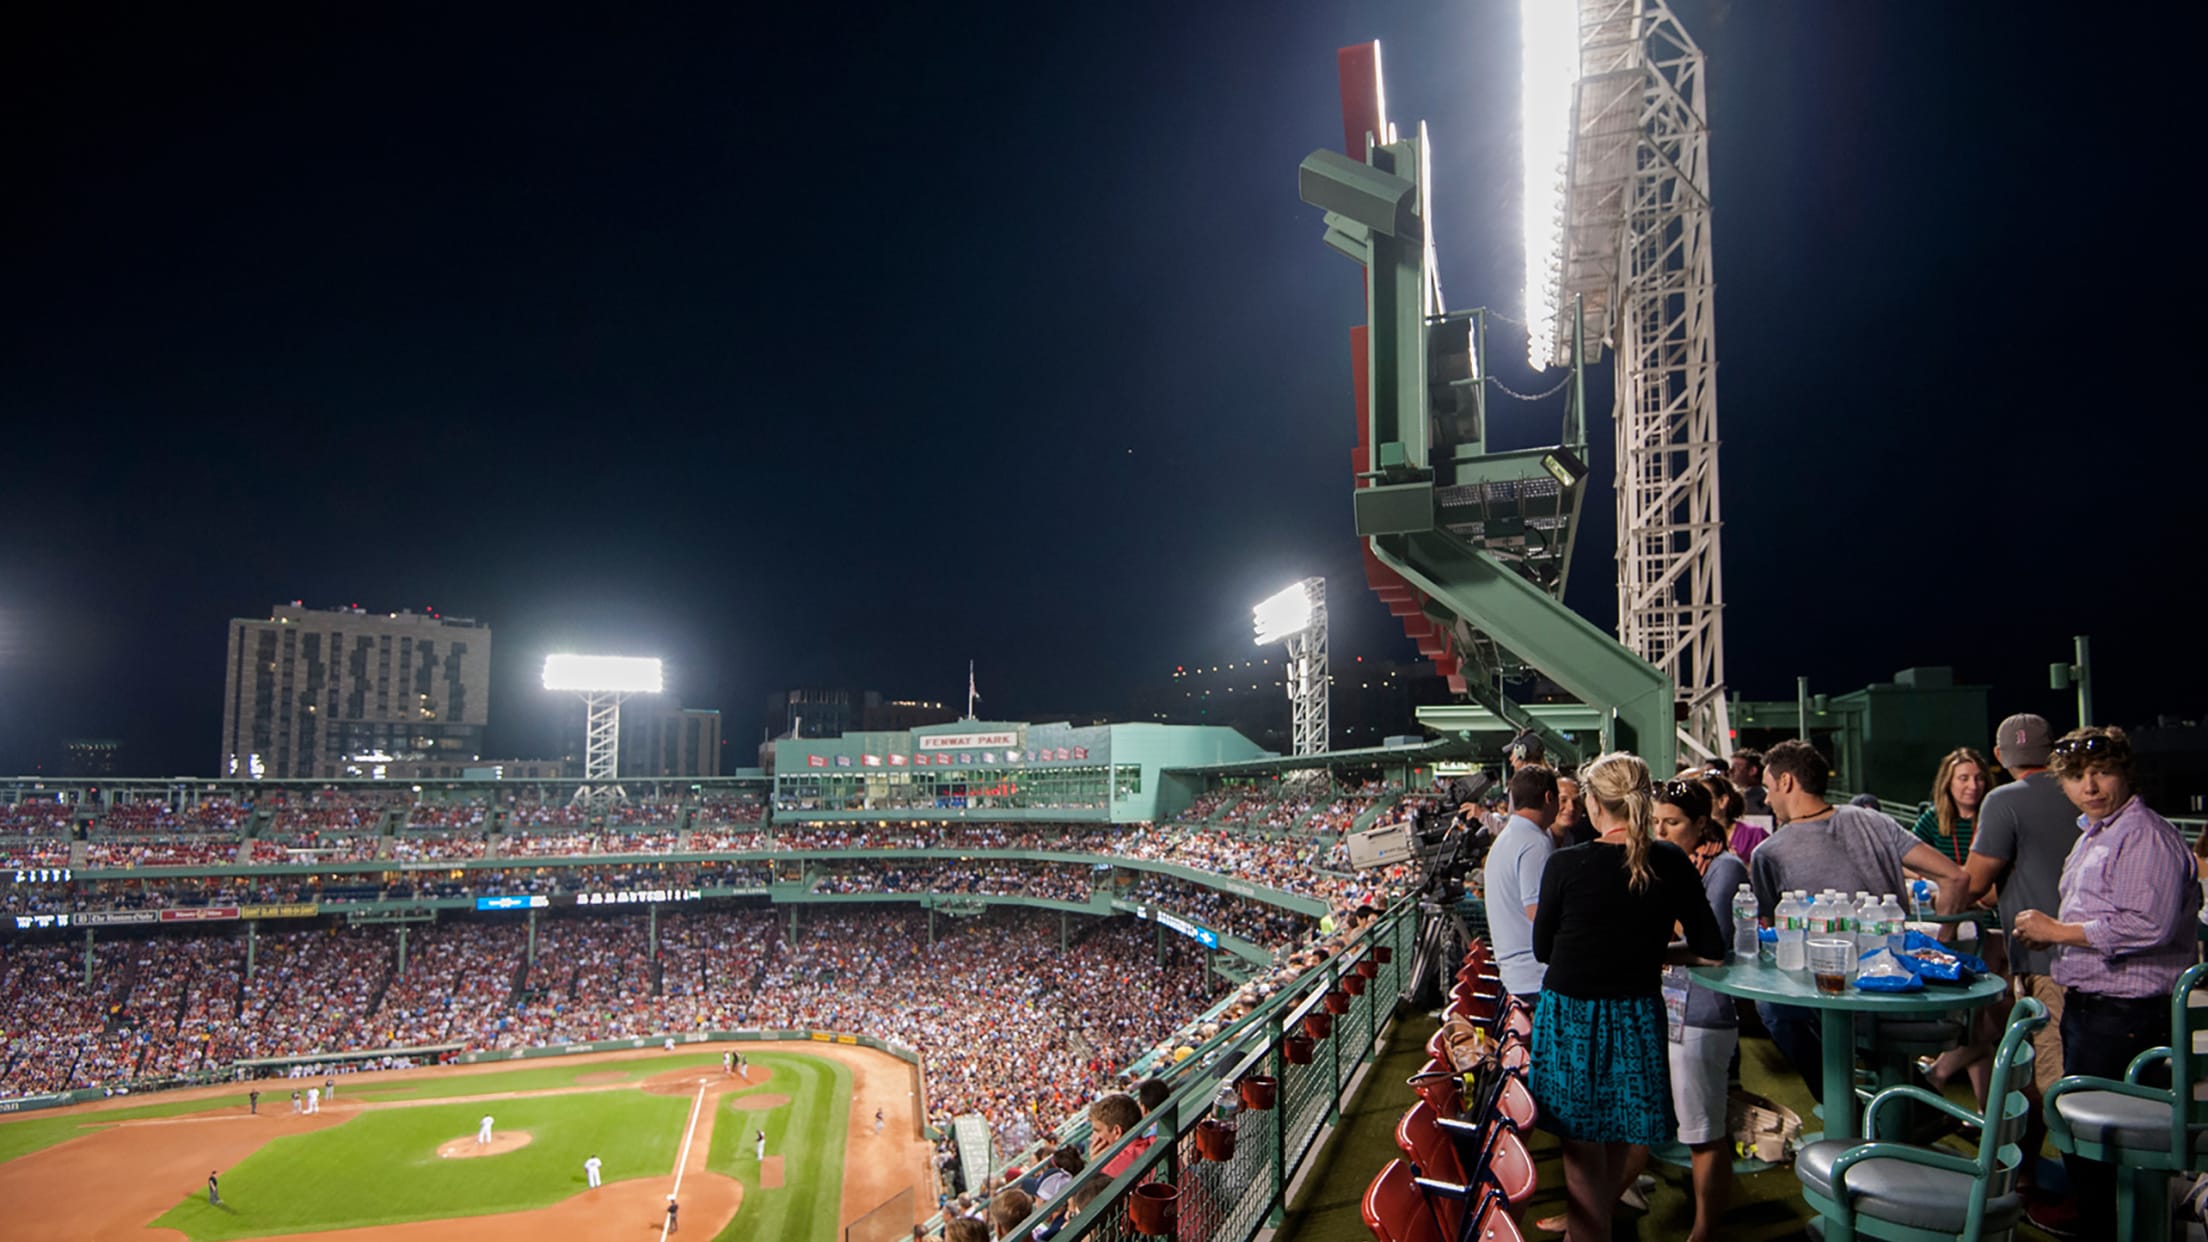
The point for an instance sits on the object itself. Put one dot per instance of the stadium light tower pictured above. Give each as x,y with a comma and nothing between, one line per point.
602,681
1617,230
1296,618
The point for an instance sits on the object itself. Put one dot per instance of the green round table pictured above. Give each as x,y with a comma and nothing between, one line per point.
1837,1012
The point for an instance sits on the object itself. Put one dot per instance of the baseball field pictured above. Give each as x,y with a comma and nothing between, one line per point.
397,1156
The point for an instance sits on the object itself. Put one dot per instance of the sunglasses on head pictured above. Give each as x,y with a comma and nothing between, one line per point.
2089,747
1673,791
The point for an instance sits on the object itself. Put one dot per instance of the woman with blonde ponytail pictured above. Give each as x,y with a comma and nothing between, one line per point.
1600,1068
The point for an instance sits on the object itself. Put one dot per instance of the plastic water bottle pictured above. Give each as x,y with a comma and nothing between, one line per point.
1871,925
1897,923
1744,925
1792,917
1820,914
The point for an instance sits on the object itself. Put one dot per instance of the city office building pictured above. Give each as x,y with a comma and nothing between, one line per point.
661,738
342,692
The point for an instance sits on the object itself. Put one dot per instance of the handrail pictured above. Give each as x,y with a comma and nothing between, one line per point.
1233,1200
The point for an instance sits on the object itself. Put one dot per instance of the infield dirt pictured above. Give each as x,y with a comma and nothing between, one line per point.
108,1184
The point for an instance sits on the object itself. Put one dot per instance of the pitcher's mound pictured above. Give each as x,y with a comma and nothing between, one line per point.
502,1141
758,1103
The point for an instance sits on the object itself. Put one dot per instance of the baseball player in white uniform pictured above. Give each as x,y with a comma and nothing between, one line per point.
483,1132
314,1100
590,1170
762,1144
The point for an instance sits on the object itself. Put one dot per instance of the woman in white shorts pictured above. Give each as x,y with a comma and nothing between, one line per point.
1704,1029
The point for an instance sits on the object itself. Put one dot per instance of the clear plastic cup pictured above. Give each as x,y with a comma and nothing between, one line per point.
1829,960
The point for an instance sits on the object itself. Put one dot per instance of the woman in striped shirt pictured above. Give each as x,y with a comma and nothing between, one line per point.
1956,793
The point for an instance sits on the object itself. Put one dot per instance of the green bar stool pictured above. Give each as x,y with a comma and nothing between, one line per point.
1906,1193
2139,1128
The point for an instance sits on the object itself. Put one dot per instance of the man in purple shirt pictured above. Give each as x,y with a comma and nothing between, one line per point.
2128,927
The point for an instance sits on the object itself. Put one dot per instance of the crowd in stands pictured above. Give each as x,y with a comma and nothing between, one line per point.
162,852
1253,921
1012,1026
1052,881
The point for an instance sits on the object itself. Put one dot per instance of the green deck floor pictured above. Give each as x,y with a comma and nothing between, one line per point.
1766,1206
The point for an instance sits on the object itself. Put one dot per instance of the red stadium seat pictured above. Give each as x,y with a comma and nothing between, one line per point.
1396,1210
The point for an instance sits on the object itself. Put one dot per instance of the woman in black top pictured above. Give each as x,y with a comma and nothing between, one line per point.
1600,1069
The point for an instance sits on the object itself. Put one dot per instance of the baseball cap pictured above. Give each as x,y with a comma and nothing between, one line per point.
1526,748
2024,740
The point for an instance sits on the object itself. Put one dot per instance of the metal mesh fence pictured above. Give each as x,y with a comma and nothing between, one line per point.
1233,1198
891,1222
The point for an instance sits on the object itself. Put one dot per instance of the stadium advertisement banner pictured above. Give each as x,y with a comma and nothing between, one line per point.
32,922
285,910
639,895
1201,935
110,918
28,1102
200,914
504,902
970,741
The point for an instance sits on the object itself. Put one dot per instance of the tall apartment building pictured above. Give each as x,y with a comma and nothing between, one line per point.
338,692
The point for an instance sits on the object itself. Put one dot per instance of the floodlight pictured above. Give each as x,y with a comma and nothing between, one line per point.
1548,66
1284,615
605,674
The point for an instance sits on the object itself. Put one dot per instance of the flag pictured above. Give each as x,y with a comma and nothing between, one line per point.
965,757
896,761
1080,752
971,693
988,756
1064,754
873,761
843,761
816,761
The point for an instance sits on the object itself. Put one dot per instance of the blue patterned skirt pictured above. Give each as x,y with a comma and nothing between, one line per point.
1600,1071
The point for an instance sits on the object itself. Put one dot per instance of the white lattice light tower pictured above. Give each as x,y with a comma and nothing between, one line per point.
1296,618
1618,224
602,681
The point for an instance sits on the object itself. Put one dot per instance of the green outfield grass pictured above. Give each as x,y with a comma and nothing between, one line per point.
381,1167
541,1077
35,1132
808,1133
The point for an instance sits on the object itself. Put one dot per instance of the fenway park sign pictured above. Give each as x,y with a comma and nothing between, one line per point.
969,741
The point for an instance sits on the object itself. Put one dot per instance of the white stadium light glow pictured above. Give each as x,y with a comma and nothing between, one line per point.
611,674
1284,615
1548,52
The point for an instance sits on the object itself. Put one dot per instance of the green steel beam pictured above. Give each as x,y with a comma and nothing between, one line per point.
1589,664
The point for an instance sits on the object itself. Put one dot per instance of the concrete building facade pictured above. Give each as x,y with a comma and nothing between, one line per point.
332,693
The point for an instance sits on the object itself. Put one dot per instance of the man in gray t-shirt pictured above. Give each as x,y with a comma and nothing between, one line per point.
2024,832
2023,836
1820,846
1512,887
1854,849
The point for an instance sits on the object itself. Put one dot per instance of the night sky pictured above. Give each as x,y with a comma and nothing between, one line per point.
840,347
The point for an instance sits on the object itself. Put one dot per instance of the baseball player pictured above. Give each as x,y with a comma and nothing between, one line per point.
728,1062
877,1121
590,1171
214,1192
483,1131
295,1105
762,1144
314,1100
329,1088
672,1208
253,1101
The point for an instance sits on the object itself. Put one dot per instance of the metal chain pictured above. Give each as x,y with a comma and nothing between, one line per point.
1535,397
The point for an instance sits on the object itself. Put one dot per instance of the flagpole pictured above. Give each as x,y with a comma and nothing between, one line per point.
970,695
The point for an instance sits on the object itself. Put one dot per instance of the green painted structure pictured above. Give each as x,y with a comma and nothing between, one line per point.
1887,738
1468,545
999,771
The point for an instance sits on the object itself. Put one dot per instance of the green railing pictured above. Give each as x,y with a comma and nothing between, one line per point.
1233,1199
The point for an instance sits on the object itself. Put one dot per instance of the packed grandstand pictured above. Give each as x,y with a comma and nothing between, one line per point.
169,938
